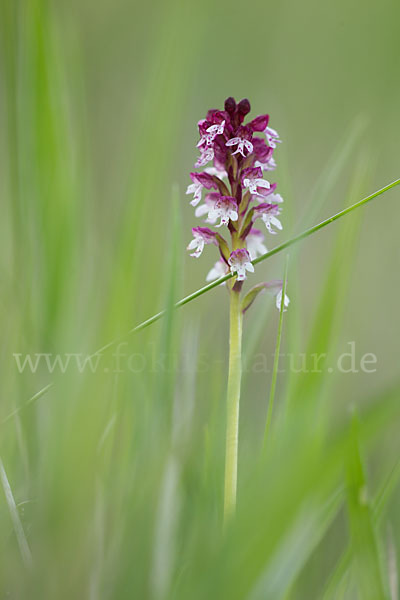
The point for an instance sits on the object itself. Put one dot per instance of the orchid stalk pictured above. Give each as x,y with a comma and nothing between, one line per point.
233,400
236,195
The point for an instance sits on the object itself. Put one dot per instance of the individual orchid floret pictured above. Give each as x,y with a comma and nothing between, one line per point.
208,135
196,189
208,207
272,137
224,207
263,193
200,181
275,198
217,271
240,262
211,133
201,237
252,180
242,144
207,154
269,165
278,301
276,288
269,213
255,243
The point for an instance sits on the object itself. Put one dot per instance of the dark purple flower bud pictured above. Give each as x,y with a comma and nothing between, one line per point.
215,117
230,106
244,107
259,123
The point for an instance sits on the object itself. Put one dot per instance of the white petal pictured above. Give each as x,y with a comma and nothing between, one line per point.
213,213
272,132
249,267
276,222
195,200
193,244
201,210
232,142
278,300
275,198
263,183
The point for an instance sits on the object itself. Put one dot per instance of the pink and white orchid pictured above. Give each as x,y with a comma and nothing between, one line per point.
240,262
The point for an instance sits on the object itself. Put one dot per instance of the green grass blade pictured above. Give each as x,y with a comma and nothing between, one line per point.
19,531
276,356
364,546
265,256
385,491
295,549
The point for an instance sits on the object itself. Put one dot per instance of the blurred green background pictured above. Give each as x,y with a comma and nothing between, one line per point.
116,476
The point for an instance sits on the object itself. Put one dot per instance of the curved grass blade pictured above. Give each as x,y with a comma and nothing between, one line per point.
19,530
33,398
304,535
277,250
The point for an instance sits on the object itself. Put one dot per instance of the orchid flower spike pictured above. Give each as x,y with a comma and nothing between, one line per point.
234,156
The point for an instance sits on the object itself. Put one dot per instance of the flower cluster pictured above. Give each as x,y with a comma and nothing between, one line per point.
235,191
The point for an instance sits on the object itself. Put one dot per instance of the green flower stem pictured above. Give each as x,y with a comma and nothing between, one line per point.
233,400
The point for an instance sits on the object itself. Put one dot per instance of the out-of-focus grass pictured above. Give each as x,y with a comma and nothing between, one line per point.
117,474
